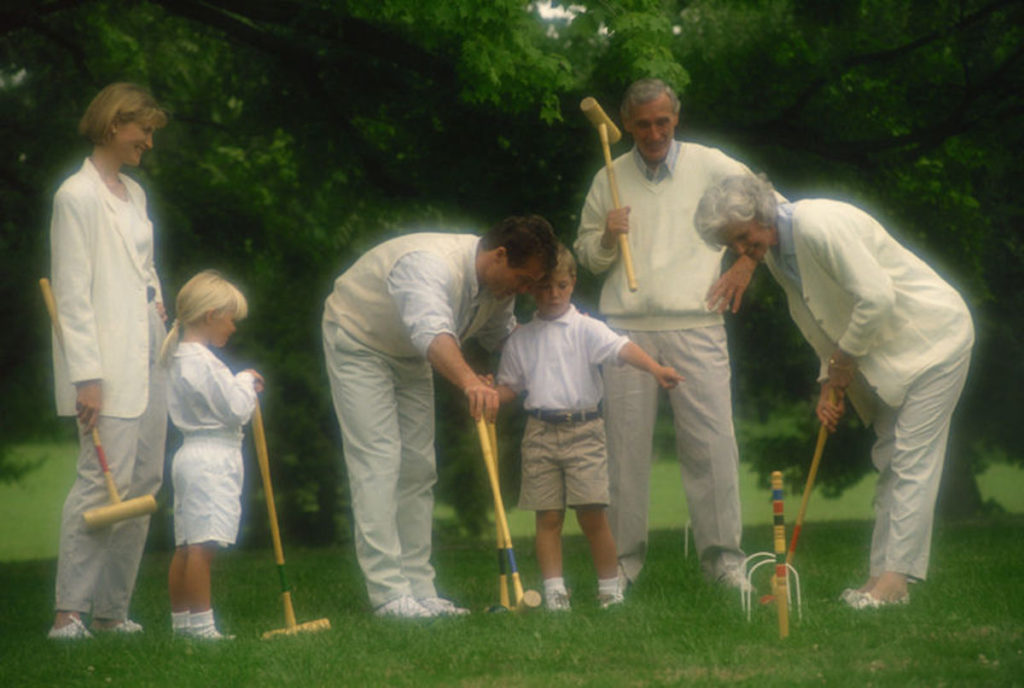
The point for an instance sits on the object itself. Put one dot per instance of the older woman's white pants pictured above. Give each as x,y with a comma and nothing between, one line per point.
96,570
909,454
705,445
385,407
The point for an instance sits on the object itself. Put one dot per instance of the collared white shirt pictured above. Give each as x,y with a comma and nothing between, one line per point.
418,284
664,169
556,361
203,396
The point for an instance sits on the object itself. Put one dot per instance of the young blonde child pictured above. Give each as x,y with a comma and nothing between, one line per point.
555,360
209,406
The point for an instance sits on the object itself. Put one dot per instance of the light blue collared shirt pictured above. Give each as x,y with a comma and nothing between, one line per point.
664,169
785,252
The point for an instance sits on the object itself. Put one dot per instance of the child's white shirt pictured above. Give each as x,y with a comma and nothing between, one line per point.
204,397
556,361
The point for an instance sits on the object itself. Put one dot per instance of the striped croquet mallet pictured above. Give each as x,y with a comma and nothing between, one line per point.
779,531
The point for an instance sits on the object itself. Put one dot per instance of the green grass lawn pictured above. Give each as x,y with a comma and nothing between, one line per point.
965,627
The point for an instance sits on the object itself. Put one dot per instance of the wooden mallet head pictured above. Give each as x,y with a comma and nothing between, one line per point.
592,109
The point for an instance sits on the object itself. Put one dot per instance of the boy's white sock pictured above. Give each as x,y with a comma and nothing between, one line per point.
554,585
608,586
201,619
180,622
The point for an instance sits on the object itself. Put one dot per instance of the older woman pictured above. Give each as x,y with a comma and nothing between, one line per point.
111,316
892,336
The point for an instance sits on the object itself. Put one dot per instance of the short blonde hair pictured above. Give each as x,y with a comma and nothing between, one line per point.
119,103
564,262
206,292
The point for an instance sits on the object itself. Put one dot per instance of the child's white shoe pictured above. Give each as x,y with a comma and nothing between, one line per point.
557,601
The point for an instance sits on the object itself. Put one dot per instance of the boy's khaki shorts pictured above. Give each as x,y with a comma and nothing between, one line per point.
564,465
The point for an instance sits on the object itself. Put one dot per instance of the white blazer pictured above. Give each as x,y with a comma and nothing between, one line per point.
100,284
865,293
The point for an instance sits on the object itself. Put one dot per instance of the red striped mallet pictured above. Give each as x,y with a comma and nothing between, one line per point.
779,531
819,449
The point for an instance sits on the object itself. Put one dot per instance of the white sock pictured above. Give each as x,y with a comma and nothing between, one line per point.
201,619
608,586
554,585
180,621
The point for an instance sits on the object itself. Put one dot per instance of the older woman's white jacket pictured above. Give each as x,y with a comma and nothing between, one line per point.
100,284
874,299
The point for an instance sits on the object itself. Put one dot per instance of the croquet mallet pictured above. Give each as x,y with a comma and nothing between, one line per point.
260,440
521,599
118,509
503,599
819,449
609,133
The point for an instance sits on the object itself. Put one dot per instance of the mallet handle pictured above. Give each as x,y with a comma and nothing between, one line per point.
51,308
499,506
107,477
819,449
627,255
259,438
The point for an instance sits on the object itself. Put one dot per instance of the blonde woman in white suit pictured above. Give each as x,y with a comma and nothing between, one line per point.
892,336
112,318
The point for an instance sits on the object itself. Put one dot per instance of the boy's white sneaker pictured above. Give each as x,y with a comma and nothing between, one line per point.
438,606
127,626
557,601
75,630
611,599
404,607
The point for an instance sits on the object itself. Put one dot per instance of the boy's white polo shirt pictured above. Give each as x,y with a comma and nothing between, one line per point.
556,361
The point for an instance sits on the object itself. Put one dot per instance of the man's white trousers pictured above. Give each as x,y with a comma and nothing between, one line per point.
385,407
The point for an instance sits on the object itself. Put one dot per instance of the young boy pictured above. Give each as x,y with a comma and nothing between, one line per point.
554,359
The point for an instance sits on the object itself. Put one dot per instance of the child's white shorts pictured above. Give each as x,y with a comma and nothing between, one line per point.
207,477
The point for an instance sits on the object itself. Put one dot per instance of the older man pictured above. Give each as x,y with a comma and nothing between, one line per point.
660,182
404,308
891,335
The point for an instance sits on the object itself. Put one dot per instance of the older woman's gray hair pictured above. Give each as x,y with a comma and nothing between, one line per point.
734,200
644,91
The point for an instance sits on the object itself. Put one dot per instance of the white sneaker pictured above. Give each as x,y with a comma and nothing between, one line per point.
208,633
127,626
557,601
612,599
404,607
75,630
850,596
734,578
438,606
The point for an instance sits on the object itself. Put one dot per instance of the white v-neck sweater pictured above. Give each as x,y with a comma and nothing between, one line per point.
674,267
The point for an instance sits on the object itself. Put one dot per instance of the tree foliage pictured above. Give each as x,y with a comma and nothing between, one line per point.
304,132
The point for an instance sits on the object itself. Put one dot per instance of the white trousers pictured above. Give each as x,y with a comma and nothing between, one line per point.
909,453
96,570
705,446
385,407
